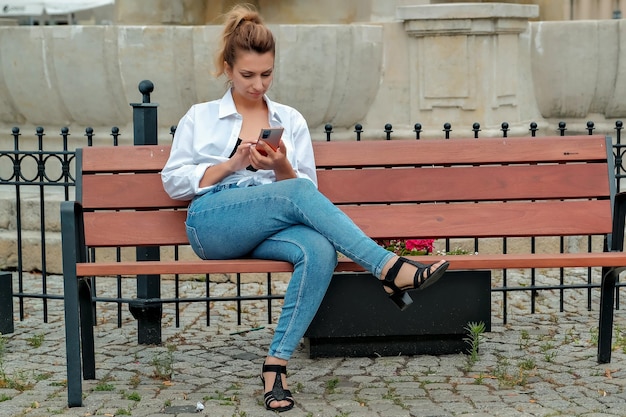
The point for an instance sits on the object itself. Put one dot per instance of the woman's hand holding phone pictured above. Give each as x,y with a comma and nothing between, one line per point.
269,154
271,137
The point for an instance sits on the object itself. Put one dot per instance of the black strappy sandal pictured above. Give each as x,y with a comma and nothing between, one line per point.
400,295
278,393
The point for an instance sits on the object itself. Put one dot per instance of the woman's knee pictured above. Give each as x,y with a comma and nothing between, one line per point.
319,248
298,185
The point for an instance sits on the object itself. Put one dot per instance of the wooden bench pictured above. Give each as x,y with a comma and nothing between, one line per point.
461,188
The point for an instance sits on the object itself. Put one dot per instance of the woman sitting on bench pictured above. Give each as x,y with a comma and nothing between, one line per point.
249,199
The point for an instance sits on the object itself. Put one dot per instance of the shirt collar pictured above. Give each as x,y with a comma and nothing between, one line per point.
227,107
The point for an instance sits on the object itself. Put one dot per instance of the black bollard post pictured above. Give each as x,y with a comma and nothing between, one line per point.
6,303
147,313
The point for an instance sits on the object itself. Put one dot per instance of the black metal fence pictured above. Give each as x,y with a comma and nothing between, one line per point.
53,166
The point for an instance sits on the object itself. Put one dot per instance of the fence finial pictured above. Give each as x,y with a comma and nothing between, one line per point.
417,129
388,130
328,129
358,129
505,129
476,129
145,88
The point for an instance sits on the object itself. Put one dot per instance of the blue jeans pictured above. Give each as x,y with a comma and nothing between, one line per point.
290,221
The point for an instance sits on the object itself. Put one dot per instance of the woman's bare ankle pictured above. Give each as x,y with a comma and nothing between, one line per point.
272,360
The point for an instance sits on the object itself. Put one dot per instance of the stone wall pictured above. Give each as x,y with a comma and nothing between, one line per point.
462,63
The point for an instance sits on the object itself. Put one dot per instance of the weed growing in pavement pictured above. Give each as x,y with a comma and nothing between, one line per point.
425,383
221,398
134,396
18,381
594,334
164,364
548,351
104,386
527,364
36,340
570,336
331,385
299,387
510,378
135,380
619,340
524,339
479,379
474,335
391,395
549,356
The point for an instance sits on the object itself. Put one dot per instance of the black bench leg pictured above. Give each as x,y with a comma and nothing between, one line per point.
72,341
86,330
605,325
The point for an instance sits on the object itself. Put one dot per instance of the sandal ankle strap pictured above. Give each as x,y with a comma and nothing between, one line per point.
281,369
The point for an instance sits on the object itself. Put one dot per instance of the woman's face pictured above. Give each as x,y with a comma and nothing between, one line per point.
251,74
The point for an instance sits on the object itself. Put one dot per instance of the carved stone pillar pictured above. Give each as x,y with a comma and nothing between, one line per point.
468,62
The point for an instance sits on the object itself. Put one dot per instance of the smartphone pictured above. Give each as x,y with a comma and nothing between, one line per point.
271,137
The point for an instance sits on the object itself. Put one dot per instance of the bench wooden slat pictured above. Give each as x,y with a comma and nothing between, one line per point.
457,262
132,159
396,152
372,185
465,183
135,228
484,220
127,191
132,228
460,151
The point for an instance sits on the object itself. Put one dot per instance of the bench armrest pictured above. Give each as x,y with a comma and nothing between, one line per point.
616,241
72,235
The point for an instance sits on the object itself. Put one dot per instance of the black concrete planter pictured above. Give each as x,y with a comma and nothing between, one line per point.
356,318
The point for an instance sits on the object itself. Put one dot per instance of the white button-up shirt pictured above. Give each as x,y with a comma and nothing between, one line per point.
207,135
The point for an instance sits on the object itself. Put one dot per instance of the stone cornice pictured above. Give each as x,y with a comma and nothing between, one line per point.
466,19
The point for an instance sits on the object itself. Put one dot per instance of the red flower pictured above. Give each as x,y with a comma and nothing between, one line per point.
420,244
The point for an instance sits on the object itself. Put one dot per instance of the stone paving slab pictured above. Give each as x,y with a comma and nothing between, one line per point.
536,365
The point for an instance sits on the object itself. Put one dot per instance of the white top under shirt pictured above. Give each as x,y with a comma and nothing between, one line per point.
207,135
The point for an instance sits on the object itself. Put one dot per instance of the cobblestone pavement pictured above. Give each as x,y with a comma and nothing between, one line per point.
540,364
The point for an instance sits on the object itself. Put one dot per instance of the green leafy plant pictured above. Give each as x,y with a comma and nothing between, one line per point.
474,335
164,364
134,396
104,386
36,340
331,385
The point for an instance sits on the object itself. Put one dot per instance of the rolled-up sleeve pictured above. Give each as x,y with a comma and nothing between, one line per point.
303,149
182,173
